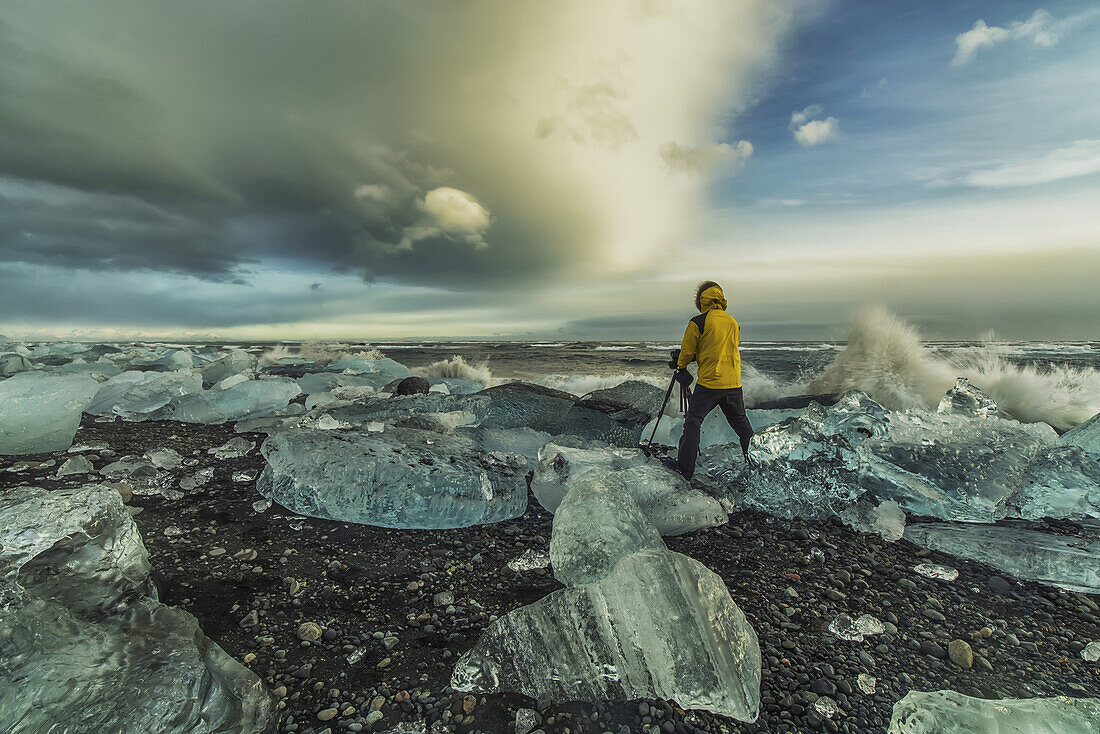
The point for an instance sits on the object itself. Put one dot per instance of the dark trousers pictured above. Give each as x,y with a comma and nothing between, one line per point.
703,400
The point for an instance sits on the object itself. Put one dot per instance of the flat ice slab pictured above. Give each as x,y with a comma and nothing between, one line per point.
399,478
40,412
1069,562
948,712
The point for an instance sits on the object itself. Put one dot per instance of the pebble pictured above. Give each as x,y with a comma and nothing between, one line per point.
961,654
327,714
309,631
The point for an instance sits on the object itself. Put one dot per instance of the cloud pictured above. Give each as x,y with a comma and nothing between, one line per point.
464,145
704,159
1081,158
810,129
1040,30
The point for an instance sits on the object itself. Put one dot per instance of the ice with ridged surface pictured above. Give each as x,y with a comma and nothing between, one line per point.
660,625
949,712
669,502
237,362
1069,562
252,399
967,400
1086,435
135,396
40,412
950,466
1060,482
597,524
399,478
84,640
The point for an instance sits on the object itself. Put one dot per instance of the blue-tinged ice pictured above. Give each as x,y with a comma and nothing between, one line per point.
84,644
669,502
379,372
40,412
1086,435
1060,482
949,712
136,396
251,399
237,362
966,400
398,478
1069,562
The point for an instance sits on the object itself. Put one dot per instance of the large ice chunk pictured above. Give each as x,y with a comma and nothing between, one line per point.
1061,482
86,647
518,404
135,396
1086,435
1071,563
967,400
379,372
948,712
40,412
251,399
950,466
597,524
237,362
660,625
399,478
669,502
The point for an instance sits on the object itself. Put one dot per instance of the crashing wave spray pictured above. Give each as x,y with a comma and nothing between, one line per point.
456,366
886,359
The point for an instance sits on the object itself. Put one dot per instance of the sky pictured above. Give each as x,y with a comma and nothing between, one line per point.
267,169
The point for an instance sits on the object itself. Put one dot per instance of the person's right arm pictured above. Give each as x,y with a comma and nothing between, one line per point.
688,346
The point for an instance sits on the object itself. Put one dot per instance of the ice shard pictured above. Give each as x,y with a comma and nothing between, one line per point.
237,362
136,396
669,502
950,466
660,625
519,404
252,399
378,372
399,478
885,518
1086,435
966,400
949,712
597,524
40,412
1069,562
1061,482
86,647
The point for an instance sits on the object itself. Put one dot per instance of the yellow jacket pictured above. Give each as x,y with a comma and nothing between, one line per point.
713,338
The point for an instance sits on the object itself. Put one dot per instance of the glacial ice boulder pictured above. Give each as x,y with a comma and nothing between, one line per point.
966,400
634,395
1068,562
518,404
1086,435
135,396
660,625
669,502
374,409
1060,482
522,441
237,362
399,478
379,372
40,412
950,466
949,712
86,647
177,359
716,429
596,524
251,399
11,362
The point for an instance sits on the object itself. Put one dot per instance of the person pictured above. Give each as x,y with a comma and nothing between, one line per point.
712,339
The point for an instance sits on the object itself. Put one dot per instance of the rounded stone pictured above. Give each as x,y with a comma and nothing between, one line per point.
961,654
309,632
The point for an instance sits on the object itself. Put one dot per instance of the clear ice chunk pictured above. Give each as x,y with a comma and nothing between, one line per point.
854,630
1061,482
75,465
596,524
252,399
826,707
234,448
1086,435
1091,652
402,478
669,502
866,683
376,372
966,400
886,519
1068,562
530,560
135,396
949,712
237,362
40,412
520,404
936,571
86,646
164,458
660,625
522,441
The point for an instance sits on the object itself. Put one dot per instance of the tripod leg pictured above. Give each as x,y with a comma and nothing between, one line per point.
661,412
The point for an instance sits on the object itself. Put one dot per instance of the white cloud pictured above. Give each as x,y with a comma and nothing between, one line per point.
1041,30
1079,159
811,129
704,158
456,210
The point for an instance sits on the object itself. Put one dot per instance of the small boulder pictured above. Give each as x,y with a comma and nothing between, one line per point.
412,386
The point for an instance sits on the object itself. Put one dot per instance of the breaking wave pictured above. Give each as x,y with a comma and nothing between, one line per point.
458,367
886,359
581,385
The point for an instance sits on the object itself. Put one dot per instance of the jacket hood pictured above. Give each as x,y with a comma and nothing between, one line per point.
712,298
